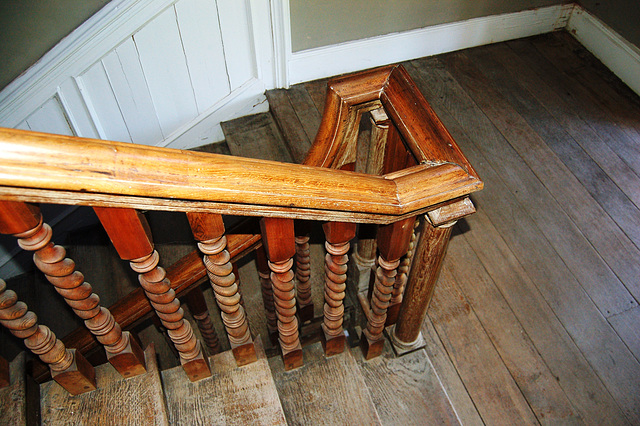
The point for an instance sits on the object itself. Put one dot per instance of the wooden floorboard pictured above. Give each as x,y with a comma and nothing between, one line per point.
448,376
602,188
495,393
406,390
524,230
231,396
535,318
532,375
138,400
560,205
573,372
581,97
324,391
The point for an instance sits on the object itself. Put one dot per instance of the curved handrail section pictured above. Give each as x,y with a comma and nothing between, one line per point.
40,167
392,88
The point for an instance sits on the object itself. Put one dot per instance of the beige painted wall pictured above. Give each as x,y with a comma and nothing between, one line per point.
316,23
621,15
29,28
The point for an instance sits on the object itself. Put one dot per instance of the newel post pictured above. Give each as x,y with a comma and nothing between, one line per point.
428,257
435,232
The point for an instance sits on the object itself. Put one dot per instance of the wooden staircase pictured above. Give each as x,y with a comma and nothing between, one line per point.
364,383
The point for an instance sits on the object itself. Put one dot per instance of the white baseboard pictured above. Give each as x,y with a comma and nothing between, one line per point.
347,57
620,56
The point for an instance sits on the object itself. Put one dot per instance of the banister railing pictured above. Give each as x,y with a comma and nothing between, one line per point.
38,167
424,173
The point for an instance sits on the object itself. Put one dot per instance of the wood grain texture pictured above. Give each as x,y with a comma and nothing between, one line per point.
534,378
491,386
167,177
256,136
577,378
13,403
289,124
448,376
232,395
624,372
585,102
116,401
325,391
626,325
406,390
511,221
599,185
563,190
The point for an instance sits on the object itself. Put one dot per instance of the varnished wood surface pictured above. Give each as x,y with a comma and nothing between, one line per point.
231,396
122,173
184,275
541,291
138,400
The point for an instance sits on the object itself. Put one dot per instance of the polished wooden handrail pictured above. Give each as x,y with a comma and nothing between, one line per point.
39,167
392,88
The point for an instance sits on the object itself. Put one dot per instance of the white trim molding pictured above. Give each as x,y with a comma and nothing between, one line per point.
109,78
620,56
357,55
101,33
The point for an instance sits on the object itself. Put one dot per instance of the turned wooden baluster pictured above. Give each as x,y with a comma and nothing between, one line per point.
393,243
338,235
365,255
24,221
68,367
208,230
401,279
278,237
303,271
198,308
267,293
131,237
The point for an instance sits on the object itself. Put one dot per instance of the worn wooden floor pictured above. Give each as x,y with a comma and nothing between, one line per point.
537,305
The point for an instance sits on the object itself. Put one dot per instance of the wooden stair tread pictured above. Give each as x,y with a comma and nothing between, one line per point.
406,390
137,400
324,390
256,136
232,395
13,406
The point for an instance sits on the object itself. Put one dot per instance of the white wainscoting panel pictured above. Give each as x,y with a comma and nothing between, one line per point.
50,118
237,41
102,104
148,71
204,51
78,114
129,85
165,67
